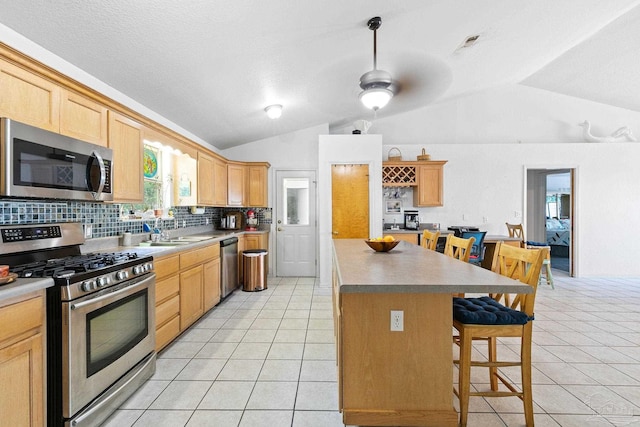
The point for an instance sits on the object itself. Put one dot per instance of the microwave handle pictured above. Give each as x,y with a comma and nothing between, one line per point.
103,175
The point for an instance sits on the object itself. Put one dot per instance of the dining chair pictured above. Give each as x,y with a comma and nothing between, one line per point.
486,318
477,250
430,239
517,231
458,247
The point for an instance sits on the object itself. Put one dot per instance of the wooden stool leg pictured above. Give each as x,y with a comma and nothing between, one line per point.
493,356
525,359
464,375
549,276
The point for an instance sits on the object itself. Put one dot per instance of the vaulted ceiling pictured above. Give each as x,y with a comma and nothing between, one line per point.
211,67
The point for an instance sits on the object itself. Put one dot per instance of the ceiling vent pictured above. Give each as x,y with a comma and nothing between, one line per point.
469,41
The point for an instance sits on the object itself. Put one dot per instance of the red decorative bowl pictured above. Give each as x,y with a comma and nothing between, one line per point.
382,246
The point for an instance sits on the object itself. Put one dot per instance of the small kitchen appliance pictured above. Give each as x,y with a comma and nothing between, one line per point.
252,220
411,220
231,221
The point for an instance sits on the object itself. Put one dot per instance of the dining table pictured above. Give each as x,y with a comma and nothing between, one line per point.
393,327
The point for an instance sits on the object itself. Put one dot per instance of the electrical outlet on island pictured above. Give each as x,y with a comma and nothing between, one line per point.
397,320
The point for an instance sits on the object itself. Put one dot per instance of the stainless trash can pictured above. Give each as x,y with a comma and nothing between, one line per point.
255,271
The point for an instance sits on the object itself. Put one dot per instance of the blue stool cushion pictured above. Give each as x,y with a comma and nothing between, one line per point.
486,311
530,243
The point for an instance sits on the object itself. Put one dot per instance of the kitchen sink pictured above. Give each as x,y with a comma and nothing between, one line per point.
166,243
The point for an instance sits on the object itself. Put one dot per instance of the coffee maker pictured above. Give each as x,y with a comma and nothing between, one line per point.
411,220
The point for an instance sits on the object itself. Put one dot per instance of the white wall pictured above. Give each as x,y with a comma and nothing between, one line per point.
341,149
502,115
487,180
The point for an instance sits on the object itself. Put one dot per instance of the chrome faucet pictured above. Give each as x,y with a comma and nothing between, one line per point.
164,235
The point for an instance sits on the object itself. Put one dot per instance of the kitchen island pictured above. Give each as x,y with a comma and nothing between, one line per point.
399,378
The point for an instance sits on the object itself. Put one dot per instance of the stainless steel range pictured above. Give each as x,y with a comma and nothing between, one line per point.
100,319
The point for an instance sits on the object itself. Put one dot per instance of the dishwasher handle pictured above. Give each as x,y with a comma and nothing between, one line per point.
228,242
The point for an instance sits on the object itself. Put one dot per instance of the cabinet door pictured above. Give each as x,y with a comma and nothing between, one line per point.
83,118
205,179
211,271
29,98
22,376
191,307
241,247
235,187
429,190
125,139
219,182
256,186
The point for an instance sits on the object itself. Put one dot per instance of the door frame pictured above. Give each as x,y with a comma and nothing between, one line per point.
276,212
575,214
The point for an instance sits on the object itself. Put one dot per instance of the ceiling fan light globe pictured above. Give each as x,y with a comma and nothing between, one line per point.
376,97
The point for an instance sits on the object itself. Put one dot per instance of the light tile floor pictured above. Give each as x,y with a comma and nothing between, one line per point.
268,359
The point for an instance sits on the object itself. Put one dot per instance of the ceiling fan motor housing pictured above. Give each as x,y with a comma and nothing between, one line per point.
375,79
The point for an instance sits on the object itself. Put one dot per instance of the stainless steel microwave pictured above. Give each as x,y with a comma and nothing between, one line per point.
39,163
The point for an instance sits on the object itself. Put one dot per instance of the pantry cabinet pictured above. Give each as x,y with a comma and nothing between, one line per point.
83,119
29,98
22,356
125,139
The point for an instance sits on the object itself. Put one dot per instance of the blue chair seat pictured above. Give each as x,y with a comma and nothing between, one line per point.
531,243
486,311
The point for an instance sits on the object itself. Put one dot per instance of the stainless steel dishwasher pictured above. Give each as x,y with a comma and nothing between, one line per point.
228,266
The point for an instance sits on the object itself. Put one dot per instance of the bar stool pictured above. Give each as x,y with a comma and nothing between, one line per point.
458,248
516,230
429,239
486,319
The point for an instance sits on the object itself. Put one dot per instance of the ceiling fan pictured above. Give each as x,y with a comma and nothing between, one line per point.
377,85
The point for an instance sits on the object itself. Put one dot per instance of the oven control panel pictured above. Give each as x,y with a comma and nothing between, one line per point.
23,234
114,278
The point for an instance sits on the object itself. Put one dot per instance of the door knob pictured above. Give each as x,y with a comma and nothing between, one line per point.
279,228
279,221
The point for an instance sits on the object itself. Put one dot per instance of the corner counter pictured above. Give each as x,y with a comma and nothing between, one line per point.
390,378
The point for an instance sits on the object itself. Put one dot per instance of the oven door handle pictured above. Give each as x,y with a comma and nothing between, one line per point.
142,284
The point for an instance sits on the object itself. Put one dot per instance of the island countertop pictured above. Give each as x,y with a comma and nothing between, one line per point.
410,268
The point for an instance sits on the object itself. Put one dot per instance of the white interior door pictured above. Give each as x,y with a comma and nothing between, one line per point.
296,225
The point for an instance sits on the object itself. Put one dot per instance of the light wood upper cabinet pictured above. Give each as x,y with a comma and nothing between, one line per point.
22,355
29,98
256,186
236,184
429,189
83,118
125,139
219,182
205,179
212,180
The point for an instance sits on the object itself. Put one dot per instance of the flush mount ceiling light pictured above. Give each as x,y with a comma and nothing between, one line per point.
377,85
274,111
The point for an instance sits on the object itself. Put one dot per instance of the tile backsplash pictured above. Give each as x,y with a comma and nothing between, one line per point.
105,217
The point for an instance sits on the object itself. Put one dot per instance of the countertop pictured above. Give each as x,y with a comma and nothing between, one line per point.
419,231
110,244
410,268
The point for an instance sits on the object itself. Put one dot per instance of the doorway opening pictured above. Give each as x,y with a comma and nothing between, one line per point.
551,214
350,201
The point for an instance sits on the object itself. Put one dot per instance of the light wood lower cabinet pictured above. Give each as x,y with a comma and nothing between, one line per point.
22,355
187,286
407,237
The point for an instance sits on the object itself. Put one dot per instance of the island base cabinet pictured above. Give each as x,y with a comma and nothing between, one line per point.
396,378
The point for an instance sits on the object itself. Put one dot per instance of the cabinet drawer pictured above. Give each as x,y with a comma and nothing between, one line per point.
166,266
167,310
199,256
21,317
167,287
166,333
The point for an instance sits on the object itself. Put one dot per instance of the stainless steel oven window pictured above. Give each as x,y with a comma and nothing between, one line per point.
115,329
